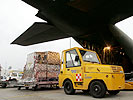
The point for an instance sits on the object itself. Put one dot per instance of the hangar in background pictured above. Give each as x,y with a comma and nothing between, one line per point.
90,22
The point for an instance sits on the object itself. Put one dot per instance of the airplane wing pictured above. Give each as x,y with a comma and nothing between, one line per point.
39,32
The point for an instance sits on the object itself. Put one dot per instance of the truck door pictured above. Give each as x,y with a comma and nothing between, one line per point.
73,65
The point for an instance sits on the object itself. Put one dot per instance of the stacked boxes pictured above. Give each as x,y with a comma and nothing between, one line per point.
42,66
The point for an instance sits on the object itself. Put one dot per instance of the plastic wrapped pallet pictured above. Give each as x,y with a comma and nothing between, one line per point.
42,66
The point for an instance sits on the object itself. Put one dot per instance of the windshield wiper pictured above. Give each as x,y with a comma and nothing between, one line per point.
94,62
91,61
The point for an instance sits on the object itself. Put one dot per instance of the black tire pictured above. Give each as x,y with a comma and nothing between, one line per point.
26,88
34,88
113,92
19,88
97,89
68,87
4,85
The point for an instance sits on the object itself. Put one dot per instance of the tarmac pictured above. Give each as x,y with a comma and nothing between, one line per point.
56,94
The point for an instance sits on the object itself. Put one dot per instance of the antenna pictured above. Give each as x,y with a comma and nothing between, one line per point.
70,42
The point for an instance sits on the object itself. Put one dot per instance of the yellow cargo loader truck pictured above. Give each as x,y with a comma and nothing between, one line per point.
81,69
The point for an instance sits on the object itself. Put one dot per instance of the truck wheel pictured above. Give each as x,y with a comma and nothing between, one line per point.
26,88
4,85
68,87
34,88
113,92
19,88
97,89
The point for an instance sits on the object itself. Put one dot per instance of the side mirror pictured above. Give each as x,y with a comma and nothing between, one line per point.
77,58
61,62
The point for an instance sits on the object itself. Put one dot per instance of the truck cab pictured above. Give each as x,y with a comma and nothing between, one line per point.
14,75
81,69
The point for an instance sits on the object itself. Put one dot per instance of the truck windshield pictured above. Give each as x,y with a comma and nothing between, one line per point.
89,56
20,75
14,74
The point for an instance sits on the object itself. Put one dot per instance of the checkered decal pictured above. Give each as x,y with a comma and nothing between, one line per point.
78,77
